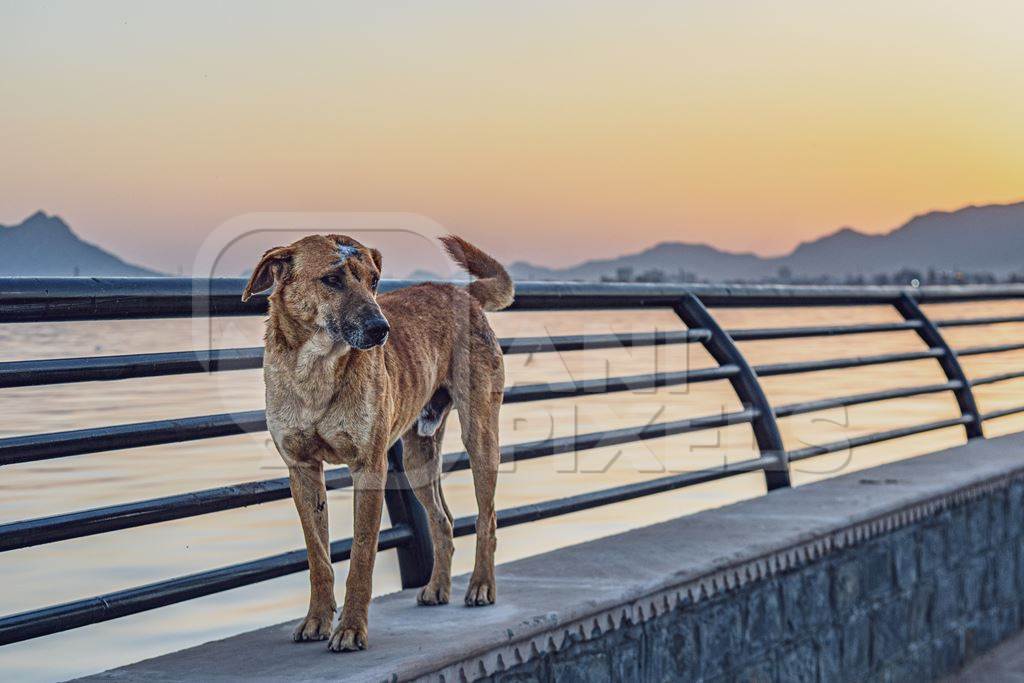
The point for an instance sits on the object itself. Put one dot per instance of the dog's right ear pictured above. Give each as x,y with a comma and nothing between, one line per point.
269,270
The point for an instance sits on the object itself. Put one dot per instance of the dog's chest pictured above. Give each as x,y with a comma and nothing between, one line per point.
313,420
304,434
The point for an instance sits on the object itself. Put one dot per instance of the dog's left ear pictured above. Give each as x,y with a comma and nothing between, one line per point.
377,259
269,270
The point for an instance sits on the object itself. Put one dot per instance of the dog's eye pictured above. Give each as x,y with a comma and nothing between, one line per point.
331,281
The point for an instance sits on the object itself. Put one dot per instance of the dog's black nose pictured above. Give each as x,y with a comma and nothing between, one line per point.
376,331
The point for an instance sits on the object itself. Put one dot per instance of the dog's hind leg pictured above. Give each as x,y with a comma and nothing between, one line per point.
479,420
423,469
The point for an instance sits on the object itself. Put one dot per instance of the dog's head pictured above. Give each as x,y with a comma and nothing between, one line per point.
329,282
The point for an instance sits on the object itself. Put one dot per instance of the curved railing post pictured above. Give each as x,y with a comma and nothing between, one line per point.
930,335
746,385
415,559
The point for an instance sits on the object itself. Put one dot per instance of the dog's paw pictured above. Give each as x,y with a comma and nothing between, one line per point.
434,595
480,593
313,628
348,639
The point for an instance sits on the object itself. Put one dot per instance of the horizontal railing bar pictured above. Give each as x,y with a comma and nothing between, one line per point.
542,296
100,368
858,399
992,379
52,371
64,299
21,449
34,447
967,322
995,348
839,363
569,295
613,437
758,334
130,515
877,437
31,299
601,341
42,530
607,385
1006,412
465,526
70,615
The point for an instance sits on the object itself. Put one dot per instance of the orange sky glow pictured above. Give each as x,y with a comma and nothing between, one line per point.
551,132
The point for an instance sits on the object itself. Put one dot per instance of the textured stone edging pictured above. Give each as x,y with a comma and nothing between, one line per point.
711,585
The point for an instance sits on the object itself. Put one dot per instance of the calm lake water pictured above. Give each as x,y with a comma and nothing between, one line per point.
70,570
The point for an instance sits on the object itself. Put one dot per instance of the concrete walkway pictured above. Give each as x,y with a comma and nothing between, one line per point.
592,586
1005,664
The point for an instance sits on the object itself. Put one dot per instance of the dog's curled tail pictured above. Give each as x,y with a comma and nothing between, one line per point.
493,287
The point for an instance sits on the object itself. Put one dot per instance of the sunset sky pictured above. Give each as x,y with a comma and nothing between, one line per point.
546,131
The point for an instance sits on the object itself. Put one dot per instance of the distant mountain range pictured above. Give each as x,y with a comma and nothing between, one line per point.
973,239
44,245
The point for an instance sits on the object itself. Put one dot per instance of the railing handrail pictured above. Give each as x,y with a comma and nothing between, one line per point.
25,299
68,299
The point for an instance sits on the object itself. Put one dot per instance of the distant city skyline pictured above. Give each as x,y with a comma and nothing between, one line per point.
551,134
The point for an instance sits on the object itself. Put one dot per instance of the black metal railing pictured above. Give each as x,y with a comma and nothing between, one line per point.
69,299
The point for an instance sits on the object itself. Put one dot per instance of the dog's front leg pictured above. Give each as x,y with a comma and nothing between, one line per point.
368,481
310,496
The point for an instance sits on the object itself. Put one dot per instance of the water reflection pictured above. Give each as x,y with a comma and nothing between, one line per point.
75,569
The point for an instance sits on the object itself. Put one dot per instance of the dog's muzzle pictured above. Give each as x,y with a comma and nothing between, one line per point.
375,333
366,333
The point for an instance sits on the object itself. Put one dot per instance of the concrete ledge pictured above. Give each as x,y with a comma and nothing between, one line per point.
1004,664
589,591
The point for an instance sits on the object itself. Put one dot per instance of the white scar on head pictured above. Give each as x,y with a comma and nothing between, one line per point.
346,250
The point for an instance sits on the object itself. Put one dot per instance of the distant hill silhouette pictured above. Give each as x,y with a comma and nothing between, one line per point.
44,245
671,257
975,238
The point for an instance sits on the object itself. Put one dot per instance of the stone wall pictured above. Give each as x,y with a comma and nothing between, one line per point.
910,603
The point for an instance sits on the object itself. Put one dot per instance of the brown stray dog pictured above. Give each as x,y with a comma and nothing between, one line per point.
337,393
